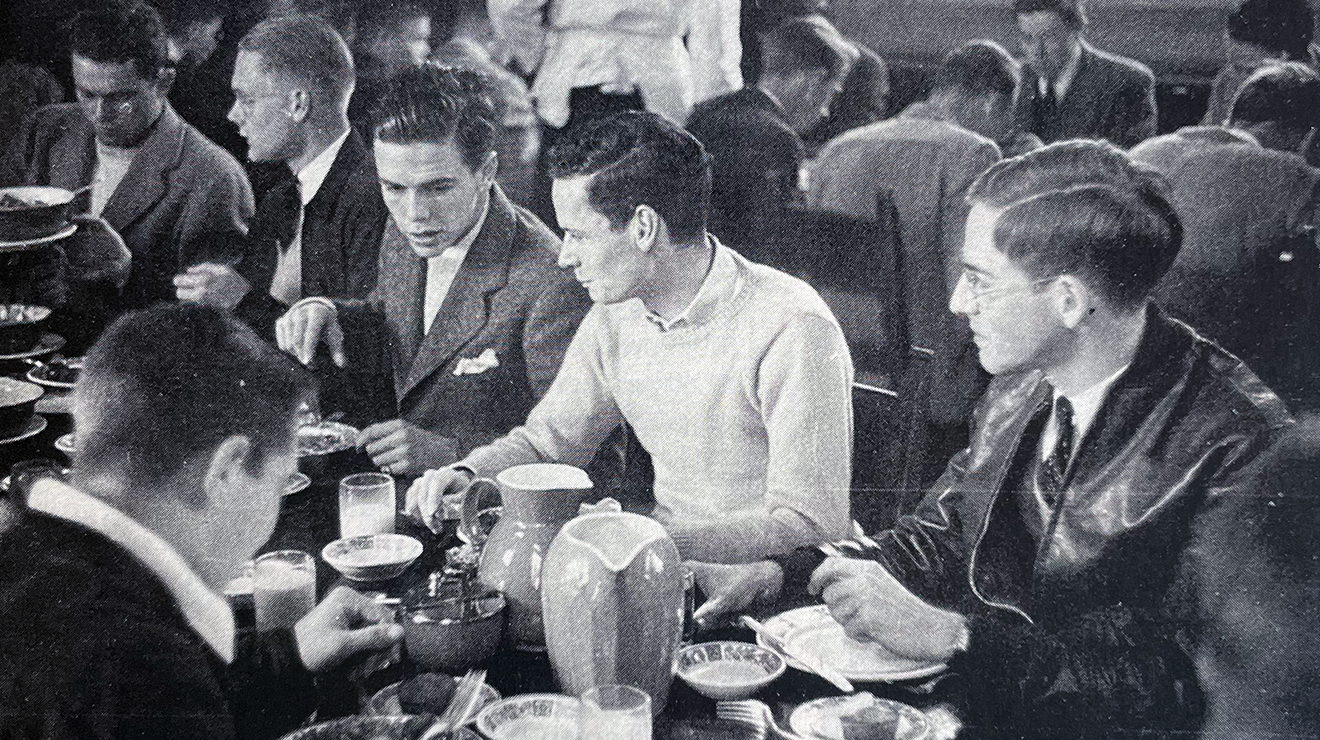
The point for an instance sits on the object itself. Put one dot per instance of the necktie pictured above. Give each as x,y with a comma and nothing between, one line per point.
1050,472
287,211
1048,114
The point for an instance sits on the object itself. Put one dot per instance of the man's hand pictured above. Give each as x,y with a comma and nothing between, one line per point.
403,448
302,329
344,624
428,494
212,284
734,588
873,606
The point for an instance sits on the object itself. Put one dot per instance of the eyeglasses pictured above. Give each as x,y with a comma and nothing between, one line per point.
980,291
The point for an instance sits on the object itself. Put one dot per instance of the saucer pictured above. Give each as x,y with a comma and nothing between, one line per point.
49,343
36,424
25,244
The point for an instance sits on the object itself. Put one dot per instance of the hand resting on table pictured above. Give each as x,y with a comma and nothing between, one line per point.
344,624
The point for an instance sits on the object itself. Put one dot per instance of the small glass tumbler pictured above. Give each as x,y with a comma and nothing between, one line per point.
615,712
366,504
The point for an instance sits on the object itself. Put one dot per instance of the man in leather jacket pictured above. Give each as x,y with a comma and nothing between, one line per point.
1049,562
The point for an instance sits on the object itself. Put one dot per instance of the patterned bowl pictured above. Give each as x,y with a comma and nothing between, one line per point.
728,670
372,557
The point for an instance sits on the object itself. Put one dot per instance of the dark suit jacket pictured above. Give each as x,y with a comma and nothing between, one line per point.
509,297
1111,97
755,159
95,646
341,233
184,200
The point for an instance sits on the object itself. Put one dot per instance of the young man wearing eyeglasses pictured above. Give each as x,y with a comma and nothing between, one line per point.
174,196
1048,563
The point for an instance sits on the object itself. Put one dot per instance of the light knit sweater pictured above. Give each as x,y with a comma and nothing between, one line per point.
743,402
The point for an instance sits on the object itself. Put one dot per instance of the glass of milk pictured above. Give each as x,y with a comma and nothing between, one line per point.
615,712
283,588
366,505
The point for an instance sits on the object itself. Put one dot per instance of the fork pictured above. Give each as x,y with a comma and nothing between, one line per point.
461,707
755,714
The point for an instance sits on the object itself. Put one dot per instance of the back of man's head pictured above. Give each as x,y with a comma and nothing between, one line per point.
980,67
307,50
164,387
1083,208
1275,26
1072,12
122,31
804,45
639,158
435,104
1286,94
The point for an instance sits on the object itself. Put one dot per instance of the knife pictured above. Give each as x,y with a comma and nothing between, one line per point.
816,665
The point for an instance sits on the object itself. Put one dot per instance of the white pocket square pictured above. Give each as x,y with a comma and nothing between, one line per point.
479,364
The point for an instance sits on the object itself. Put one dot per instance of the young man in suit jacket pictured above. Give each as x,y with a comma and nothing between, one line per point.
317,231
1071,90
174,196
470,316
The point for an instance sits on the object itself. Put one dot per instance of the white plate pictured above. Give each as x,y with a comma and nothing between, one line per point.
49,343
35,425
67,444
24,244
820,718
812,629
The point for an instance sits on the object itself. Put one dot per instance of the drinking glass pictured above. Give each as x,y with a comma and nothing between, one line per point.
366,504
284,588
615,712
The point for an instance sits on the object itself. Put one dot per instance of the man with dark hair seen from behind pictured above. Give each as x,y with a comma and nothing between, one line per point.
1072,90
922,161
317,231
470,316
1248,202
113,623
175,197
1049,563
734,377
753,136
1259,33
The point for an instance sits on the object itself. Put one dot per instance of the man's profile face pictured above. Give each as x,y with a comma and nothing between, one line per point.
431,194
605,260
1047,42
261,110
1010,313
120,104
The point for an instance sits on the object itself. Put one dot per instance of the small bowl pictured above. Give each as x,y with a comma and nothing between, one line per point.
61,372
20,327
728,670
18,400
440,637
385,703
543,716
326,450
33,211
372,557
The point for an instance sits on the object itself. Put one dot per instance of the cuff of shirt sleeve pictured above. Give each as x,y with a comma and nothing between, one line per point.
317,299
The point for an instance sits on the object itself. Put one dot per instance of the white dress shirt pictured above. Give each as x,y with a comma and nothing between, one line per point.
207,612
1066,77
112,163
442,268
286,286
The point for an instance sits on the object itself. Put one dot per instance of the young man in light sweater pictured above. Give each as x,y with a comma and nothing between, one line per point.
735,377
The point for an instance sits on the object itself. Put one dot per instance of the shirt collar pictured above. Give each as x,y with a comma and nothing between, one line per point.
459,249
314,173
1086,404
1066,77
207,612
722,281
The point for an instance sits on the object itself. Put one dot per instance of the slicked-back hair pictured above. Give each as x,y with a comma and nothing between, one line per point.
164,387
978,67
1083,208
1073,12
306,48
437,104
1287,93
802,44
639,158
122,31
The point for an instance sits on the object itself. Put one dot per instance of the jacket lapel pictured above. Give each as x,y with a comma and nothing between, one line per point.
146,180
466,307
399,291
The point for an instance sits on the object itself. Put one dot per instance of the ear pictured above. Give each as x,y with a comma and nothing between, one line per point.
1072,300
644,227
227,470
299,105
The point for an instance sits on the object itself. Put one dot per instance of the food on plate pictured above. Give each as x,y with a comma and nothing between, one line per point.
872,722
426,693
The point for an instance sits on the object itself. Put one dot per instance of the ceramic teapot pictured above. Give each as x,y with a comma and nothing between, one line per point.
612,596
538,499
